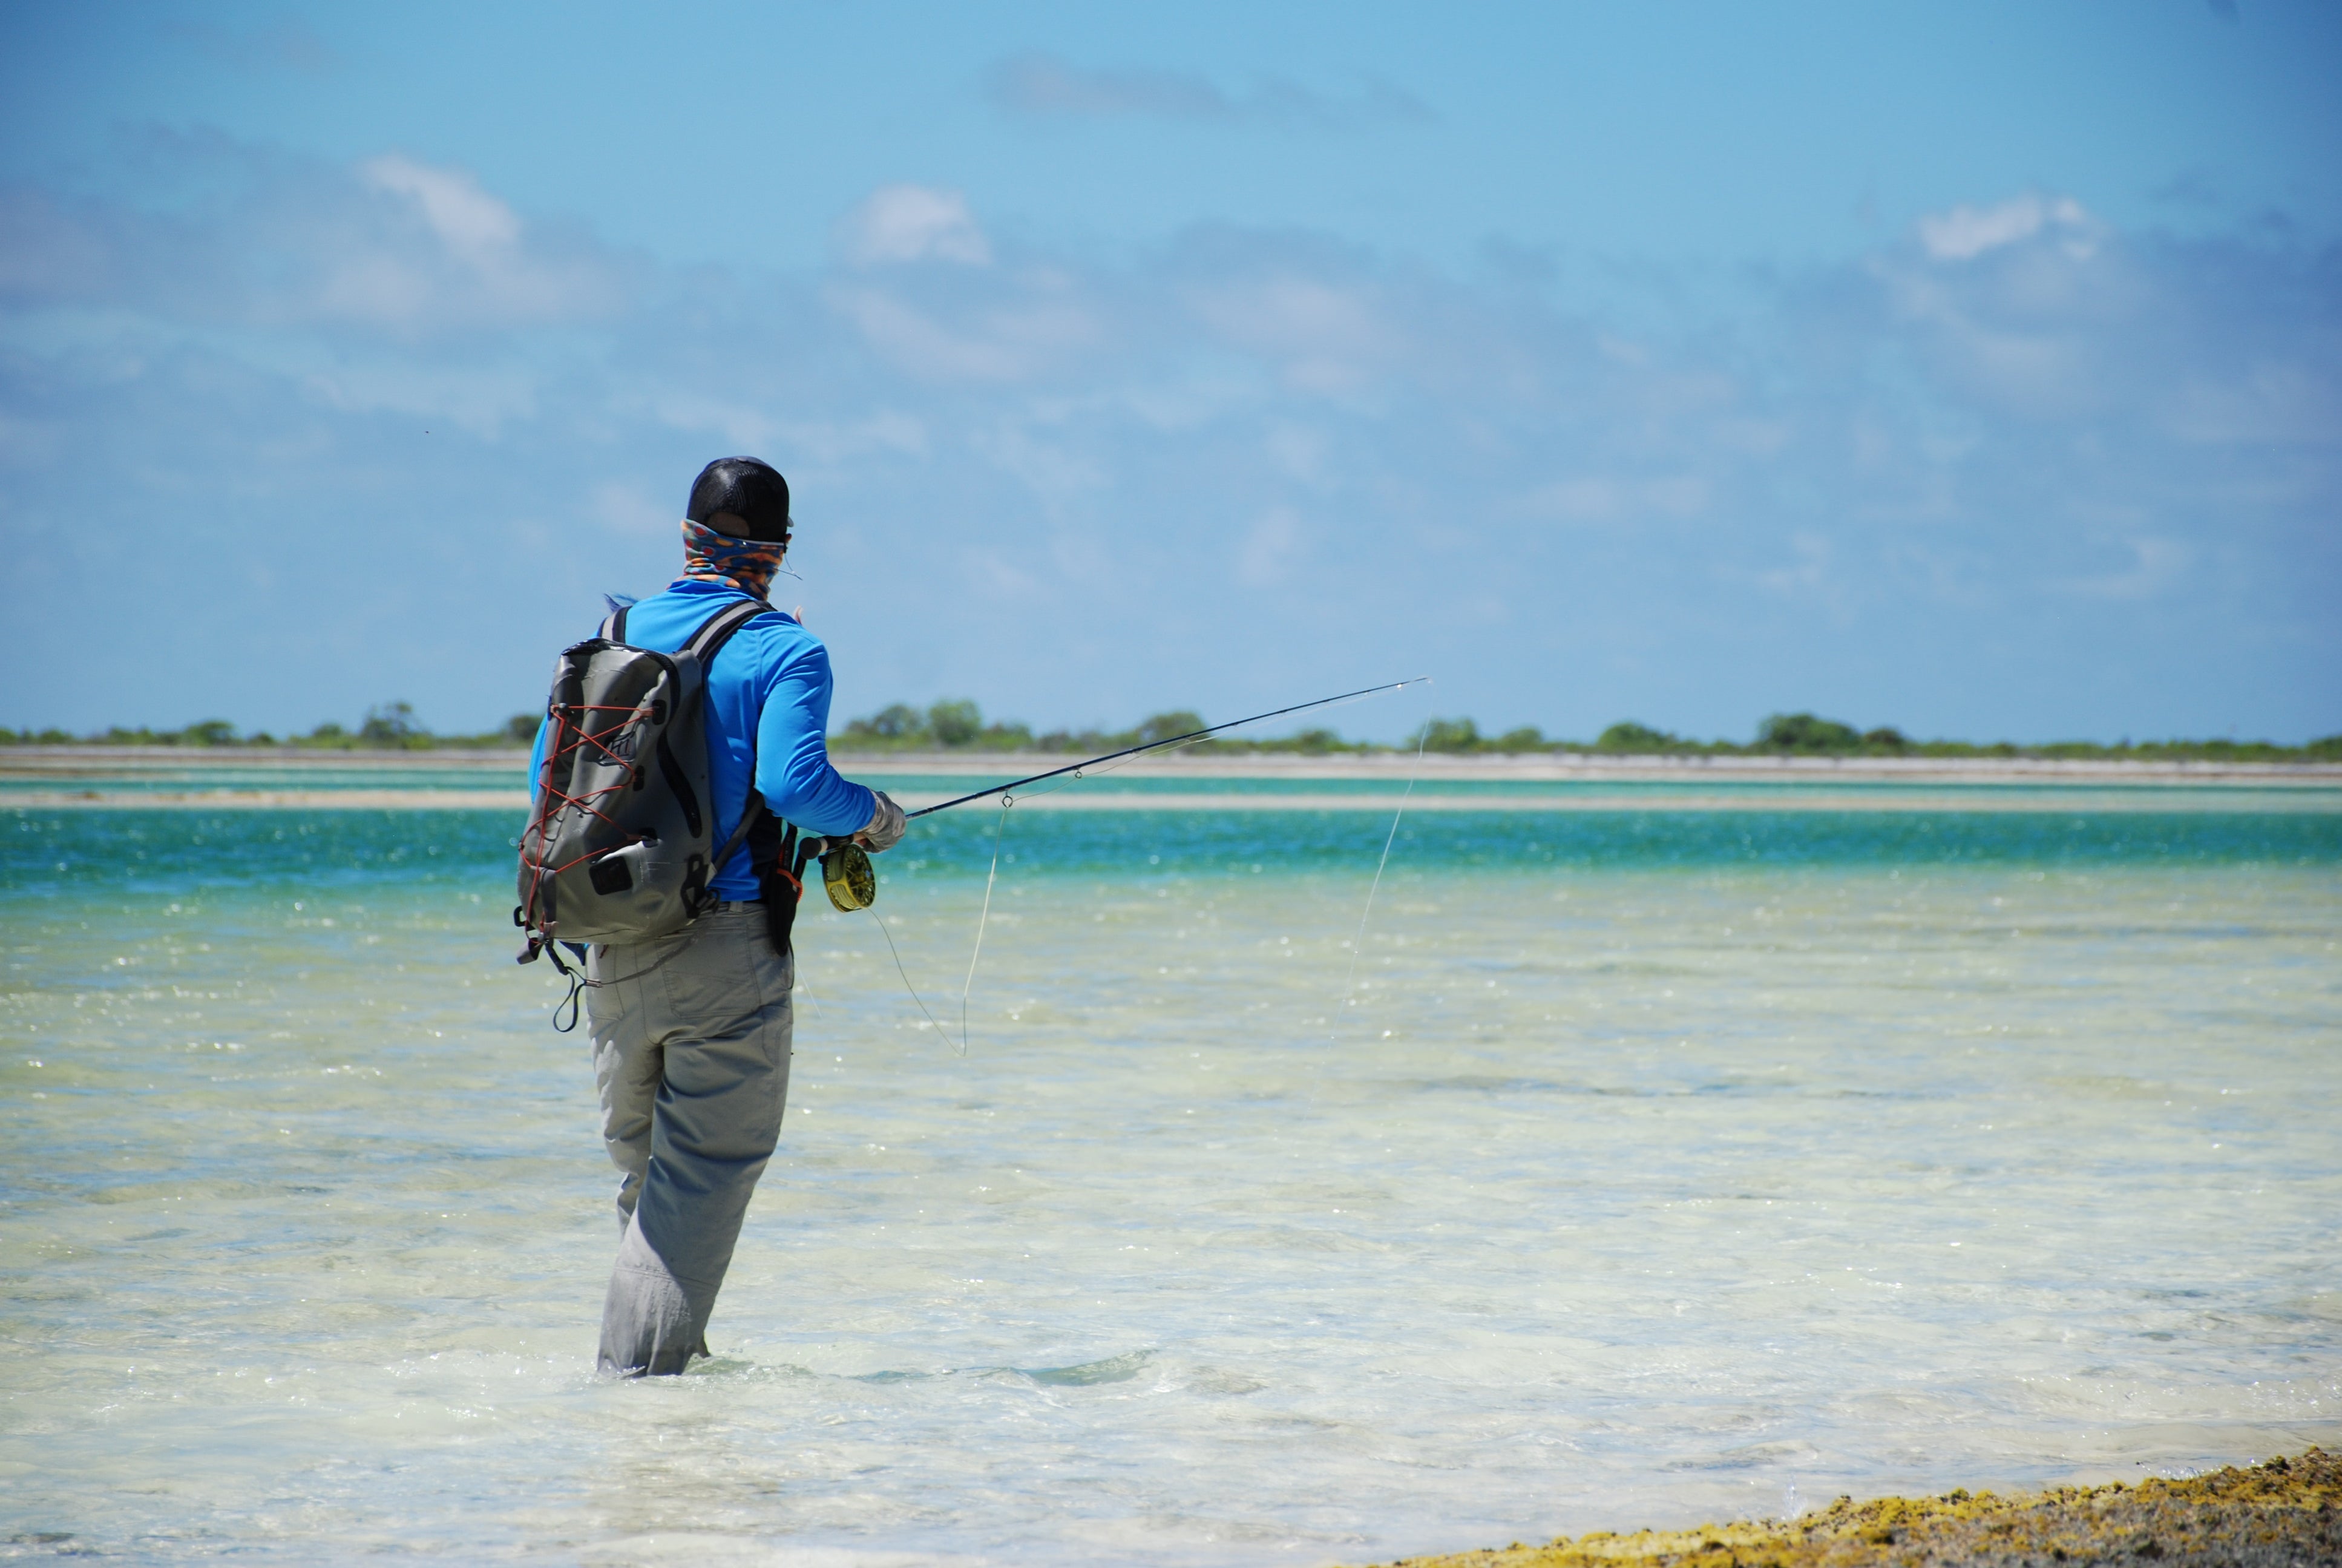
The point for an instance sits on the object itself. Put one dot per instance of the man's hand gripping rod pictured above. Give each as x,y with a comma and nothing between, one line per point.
1157,745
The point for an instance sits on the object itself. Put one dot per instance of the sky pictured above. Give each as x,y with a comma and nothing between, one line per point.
1972,368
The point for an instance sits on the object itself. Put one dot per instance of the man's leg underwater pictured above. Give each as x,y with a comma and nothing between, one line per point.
723,1019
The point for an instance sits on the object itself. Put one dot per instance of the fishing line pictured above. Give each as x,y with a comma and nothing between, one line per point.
1358,946
981,920
1074,772
907,974
999,827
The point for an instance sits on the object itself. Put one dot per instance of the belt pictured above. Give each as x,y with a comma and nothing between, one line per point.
725,906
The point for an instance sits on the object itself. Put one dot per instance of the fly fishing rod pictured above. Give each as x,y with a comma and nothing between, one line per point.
852,885
1075,768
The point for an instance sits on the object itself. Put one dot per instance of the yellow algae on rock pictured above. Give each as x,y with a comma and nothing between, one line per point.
2285,1512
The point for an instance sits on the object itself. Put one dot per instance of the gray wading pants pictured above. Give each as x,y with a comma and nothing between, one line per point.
693,1061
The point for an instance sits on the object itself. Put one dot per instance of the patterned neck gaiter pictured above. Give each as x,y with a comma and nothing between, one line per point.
747,565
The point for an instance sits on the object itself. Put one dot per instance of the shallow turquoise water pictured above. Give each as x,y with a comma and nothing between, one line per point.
44,853
1658,1165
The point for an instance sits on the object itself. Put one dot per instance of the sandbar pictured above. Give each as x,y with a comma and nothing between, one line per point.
2282,1512
2285,1511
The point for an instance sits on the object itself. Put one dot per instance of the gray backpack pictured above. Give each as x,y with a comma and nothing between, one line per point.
618,846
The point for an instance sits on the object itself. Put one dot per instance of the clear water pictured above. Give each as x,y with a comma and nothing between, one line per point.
1669,1165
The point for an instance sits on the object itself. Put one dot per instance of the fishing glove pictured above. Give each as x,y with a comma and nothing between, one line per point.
887,824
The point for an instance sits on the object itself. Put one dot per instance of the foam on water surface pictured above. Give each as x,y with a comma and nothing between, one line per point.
1663,1163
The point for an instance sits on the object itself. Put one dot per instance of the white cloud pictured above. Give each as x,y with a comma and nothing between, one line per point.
1965,233
1040,84
2155,564
1272,548
474,224
915,223
1328,336
263,242
480,272
1052,469
922,345
1810,575
1008,341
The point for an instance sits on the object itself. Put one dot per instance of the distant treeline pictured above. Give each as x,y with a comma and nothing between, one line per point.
390,727
958,726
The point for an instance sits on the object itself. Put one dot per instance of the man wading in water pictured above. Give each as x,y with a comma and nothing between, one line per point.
691,1032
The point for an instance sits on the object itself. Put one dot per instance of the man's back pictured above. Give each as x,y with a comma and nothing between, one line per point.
768,696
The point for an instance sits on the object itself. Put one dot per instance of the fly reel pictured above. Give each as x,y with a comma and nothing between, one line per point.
846,876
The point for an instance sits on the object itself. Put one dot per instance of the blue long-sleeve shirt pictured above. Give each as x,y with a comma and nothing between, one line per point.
768,706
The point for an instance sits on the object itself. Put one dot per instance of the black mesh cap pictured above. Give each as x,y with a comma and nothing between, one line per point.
751,490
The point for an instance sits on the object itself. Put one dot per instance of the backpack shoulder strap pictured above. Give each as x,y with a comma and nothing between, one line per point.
704,644
717,629
713,633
